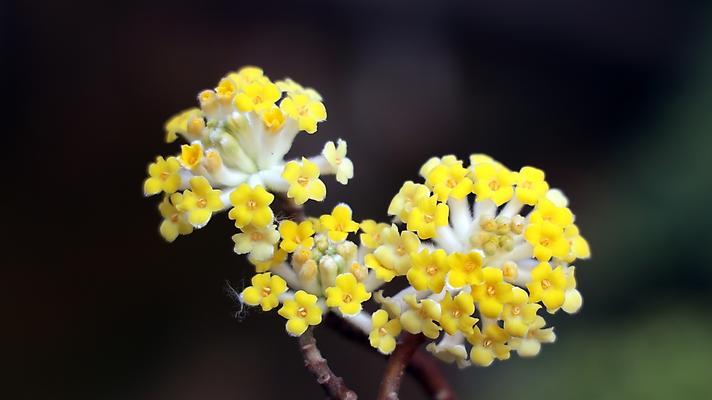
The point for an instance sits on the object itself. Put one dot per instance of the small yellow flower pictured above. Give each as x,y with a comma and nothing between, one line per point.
548,240
492,293
494,182
163,176
265,291
295,235
457,313
174,223
382,272
383,332
530,345
395,251
428,270
547,211
304,182
434,162
179,123
347,295
449,181
339,223
246,76
273,119
251,206
488,345
548,286
259,242
279,256
531,185
465,269
258,97
191,155
408,197
336,156
427,216
226,90
421,317
305,110
519,313
372,233
200,202
578,246
300,312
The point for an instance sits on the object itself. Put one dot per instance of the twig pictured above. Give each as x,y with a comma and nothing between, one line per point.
397,362
333,385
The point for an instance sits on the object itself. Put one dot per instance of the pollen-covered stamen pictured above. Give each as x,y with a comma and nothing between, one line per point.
382,331
544,242
456,313
469,266
491,290
428,218
302,312
174,217
347,298
516,310
256,236
266,291
431,270
487,342
202,203
545,284
303,180
251,204
494,184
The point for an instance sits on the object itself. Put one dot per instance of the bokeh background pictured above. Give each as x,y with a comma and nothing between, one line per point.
611,97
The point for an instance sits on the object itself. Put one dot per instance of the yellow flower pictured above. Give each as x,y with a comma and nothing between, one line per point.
258,97
265,291
519,313
493,181
488,345
395,251
304,182
427,217
548,240
339,223
247,75
530,345
251,206
452,180
300,312
465,269
273,119
383,332
372,233
279,256
174,223
179,123
226,90
347,295
382,272
492,293
421,317
547,286
457,313
191,155
200,202
336,156
531,185
306,111
259,242
433,162
163,176
295,235
547,211
578,246
408,197
428,270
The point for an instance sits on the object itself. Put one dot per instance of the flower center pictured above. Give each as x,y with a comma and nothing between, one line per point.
303,180
303,110
256,236
347,298
174,217
164,175
545,284
526,185
487,342
382,331
544,242
493,184
491,290
428,218
400,250
456,313
516,310
202,203
431,270
302,312
451,183
469,266
257,100
266,291
251,204
338,161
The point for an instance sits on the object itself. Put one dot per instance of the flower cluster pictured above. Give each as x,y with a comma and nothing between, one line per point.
484,250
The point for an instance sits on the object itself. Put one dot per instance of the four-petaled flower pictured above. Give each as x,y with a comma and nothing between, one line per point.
493,181
457,313
465,269
339,223
336,156
383,332
492,293
301,312
265,291
548,286
347,295
421,316
305,110
200,202
519,313
295,235
427,216
408,197
191,155
164,176
372,236
259,242
251,206
548,240
395,251
304,182
488,345
531,186
428,270
449,181
258,97
174,223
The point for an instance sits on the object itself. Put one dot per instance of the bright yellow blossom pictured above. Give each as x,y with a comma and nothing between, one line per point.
531,185
347,295
395,251
304,182
372,233
339,223
200,202
179,123
519,313
173,222
488,345
548,240
492,293
457,313
273,119
547,211
251,206
258,97
428,270
465,269
191,155
493,182
382,272
265,291
427,216
449,181
226,90
578,246
279,256
421,317
246,76
384,332
301,312
295,235
408,197
336,157
258,241
530,345
548,286
164,176
306,111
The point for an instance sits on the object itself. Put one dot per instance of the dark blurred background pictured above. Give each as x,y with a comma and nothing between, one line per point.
611,98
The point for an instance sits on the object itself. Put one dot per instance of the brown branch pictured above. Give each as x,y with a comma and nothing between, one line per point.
390,385
333,385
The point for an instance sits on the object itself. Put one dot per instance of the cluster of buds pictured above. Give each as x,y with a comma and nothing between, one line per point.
483,249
